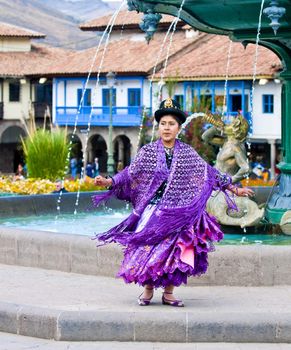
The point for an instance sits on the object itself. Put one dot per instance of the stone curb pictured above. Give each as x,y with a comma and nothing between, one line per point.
253,265
171,326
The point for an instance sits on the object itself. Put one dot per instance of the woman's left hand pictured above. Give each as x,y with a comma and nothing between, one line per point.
244,192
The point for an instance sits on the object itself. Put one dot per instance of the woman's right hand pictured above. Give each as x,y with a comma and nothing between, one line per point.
102,181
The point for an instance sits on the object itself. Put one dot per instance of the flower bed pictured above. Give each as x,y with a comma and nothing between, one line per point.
40,186
257,182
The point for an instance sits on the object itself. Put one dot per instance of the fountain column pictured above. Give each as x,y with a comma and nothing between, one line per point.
281,202
272,157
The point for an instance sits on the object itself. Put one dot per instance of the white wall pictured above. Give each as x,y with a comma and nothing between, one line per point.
267,125
15,110
8,44
127,34
73,86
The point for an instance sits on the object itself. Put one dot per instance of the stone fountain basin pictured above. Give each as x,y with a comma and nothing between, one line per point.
240,265
40,204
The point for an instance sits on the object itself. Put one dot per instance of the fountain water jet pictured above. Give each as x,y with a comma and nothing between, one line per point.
109,26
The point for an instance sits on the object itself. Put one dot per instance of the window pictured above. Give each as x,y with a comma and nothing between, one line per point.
179,99
106,101
268,103
43,93
87,97
14,91
134,97
236,103
106,97
206,102
133,100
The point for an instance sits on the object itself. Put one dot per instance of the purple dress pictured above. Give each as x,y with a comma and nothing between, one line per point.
169,233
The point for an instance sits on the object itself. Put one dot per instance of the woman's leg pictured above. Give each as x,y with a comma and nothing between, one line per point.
169,299
148,291
145,298
169,290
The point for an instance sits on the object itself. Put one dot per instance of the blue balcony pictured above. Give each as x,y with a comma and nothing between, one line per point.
122,116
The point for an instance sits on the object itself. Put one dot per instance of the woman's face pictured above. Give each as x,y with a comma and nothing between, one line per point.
168,128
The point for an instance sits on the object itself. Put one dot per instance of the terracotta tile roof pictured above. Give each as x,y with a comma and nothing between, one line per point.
15,31
123,56
209,60
34,62
126,20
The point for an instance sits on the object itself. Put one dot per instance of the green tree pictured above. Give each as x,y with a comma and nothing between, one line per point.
193,131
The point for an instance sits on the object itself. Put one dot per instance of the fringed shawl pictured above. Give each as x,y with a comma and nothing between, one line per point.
190,181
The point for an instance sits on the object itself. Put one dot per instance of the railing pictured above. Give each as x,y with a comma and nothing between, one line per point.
121,116
1,110
40,109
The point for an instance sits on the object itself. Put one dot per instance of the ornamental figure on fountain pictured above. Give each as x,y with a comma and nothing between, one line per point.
231,159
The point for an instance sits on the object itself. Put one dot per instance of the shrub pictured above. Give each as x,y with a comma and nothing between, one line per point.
46,153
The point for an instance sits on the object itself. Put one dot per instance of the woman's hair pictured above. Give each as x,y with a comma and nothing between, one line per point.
173,116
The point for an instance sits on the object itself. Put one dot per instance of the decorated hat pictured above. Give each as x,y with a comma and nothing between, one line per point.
170,106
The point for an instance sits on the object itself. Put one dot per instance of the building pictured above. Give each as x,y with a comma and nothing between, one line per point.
196,72
24,90
133,62
200,75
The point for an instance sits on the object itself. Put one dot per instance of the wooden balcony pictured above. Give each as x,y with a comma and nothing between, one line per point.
40,109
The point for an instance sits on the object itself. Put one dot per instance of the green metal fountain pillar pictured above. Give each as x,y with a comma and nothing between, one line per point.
280,201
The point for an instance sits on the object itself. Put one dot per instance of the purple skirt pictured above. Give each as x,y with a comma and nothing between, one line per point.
174,259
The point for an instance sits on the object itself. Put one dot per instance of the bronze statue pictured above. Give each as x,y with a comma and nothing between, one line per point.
231,159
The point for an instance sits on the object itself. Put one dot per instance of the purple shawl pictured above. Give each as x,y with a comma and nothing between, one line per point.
190,181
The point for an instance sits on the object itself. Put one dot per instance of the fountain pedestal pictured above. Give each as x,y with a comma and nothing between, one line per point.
280,201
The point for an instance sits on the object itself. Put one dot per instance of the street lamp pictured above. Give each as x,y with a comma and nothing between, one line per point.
110,77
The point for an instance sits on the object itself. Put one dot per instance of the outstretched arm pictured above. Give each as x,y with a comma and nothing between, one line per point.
102,181
241,191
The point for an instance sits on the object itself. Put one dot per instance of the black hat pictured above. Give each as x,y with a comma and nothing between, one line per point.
170,106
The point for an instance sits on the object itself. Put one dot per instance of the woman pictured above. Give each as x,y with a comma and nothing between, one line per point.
168,235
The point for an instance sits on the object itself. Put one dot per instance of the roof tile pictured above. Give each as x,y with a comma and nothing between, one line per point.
34,62
123,56
15,31
209,60
125,19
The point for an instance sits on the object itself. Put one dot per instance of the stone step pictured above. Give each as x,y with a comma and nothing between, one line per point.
10,341
74,307
242,265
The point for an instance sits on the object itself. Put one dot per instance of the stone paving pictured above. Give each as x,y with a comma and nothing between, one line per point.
65,306
18,342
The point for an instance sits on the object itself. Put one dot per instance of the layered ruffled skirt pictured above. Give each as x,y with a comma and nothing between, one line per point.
174,259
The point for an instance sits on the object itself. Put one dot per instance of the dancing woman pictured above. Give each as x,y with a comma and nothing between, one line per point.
168,235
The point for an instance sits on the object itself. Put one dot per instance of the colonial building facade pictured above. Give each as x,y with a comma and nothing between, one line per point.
195,76
24,91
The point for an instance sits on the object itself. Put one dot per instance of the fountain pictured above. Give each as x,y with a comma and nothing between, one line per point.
257,265
240,23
